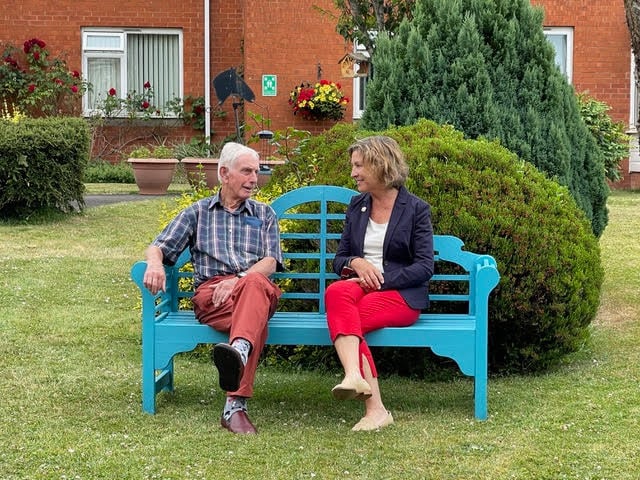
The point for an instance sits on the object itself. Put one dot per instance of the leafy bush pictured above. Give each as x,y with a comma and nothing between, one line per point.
548,258
99,171
42,163
609,135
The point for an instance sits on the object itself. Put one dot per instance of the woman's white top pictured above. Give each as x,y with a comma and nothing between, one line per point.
373,242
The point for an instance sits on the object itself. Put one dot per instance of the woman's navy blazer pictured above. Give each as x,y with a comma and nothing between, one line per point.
407,253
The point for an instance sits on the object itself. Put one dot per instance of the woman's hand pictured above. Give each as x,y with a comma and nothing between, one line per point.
370,277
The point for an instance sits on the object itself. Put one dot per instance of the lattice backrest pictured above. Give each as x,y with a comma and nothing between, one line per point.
311,221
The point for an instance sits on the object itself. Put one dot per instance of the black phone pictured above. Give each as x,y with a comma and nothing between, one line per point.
347,272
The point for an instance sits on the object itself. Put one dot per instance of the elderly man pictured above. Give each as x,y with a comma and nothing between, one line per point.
235,247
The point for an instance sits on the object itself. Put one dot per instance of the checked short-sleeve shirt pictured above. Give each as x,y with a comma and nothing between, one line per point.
221,242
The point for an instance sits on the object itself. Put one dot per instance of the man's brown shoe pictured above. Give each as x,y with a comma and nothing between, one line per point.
239,423
228,361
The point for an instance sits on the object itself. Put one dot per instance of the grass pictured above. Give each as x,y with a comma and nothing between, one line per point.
70,392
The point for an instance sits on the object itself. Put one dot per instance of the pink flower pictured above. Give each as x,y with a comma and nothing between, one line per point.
145,105
112,92
74,88
147,84
31,88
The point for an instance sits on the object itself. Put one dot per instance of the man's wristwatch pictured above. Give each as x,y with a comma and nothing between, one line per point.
241,274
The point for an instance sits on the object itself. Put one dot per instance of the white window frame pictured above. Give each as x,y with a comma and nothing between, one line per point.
566,32
632,131
120,52
358,84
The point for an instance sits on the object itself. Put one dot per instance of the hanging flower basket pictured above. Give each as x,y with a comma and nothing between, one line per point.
322,101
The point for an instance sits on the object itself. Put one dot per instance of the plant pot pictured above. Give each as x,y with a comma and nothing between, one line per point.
195,167
153,175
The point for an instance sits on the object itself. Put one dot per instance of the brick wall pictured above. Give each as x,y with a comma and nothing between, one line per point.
293,44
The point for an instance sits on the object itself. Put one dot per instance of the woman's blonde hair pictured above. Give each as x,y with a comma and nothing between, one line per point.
382,155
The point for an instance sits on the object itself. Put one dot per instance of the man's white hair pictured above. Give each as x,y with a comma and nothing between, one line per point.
230,153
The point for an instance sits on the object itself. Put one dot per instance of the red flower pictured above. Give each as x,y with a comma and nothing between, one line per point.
147,84
145,105
112,92
76,74
74,88
58,81
33,42
11,61
31,87
36,55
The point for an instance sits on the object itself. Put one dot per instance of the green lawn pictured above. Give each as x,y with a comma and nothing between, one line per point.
70,392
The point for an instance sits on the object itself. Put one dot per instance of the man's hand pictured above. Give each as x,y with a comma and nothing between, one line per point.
221,291
154,278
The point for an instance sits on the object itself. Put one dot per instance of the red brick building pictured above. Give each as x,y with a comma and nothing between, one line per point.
279,44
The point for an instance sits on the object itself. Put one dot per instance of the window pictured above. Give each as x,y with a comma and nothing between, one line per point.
126,59
561,38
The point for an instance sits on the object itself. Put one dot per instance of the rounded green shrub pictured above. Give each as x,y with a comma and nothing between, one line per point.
42,164
547,255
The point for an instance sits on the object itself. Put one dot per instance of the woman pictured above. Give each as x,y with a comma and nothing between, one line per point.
386,251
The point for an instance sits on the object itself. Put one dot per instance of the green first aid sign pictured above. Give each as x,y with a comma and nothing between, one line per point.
269,85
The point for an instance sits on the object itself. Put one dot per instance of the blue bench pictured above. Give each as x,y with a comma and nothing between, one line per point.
311,221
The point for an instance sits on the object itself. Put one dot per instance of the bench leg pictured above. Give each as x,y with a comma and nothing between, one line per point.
480,396
154,382
148,387
167,385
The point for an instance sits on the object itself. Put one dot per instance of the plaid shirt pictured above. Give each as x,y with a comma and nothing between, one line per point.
221,242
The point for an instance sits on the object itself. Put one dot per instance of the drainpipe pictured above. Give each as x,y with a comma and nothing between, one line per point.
207,74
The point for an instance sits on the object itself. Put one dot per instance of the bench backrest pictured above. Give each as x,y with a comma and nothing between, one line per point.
311,220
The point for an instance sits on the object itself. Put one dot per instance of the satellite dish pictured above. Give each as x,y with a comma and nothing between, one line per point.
229,83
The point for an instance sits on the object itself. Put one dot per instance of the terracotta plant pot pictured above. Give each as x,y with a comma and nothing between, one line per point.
195,167
153,175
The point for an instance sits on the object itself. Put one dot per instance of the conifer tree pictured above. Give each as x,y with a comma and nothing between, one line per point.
485,67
